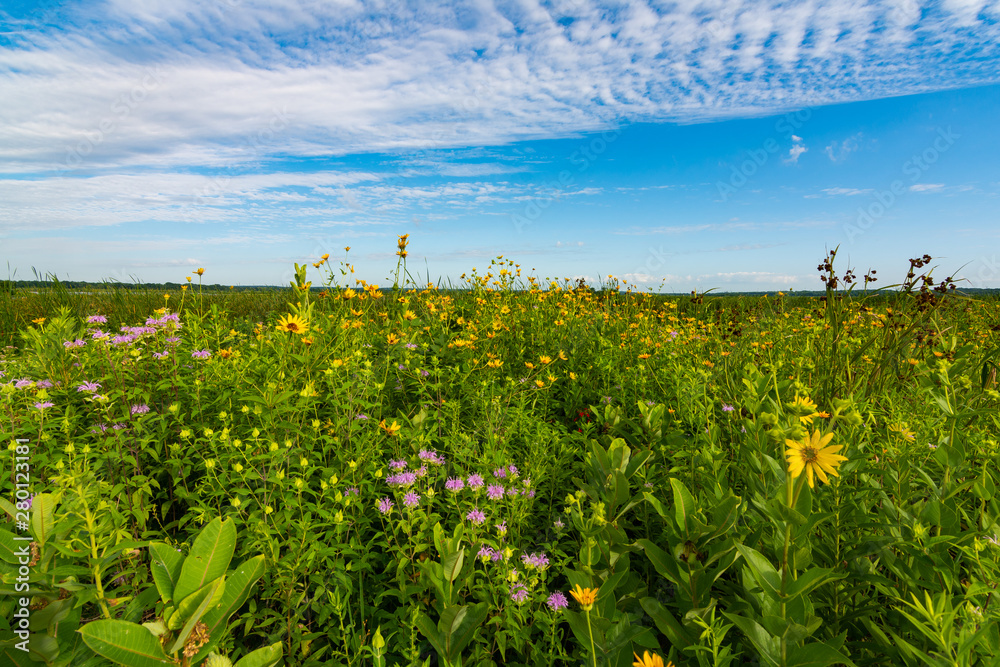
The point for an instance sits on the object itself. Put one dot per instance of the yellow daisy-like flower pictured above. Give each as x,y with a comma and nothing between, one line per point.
806,408
293,324
813,456
40,320
585,596
391,429
648,660
200,272
902,431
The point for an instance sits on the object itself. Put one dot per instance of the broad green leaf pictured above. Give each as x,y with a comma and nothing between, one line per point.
816,654
125,643
204,602
43,519
238,587
209,557
458,631
667,624
269,656
429,630
684,505
761,568
452,565
210,592
807,581
766,645
166,568
665,563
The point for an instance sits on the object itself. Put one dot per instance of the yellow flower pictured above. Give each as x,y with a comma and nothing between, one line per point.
902,431
545,360
293,324
644,356
391,429
495,363
539,384
585,596
813,456
40,320
648,660
200,272
392,339
806,408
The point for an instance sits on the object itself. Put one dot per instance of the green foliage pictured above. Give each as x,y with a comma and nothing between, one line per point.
422,476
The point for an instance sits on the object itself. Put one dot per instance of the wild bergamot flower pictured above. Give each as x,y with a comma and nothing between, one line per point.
813,456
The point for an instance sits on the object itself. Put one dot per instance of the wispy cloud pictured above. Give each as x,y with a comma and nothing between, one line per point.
179,83
839,150
796,150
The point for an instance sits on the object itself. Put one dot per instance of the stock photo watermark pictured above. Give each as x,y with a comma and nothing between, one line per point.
582,158
121,108
913,169
740,174
219,184
24,546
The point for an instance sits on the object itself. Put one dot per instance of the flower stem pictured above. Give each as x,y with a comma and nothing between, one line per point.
593,653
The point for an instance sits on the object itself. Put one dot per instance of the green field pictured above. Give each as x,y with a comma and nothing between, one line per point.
512,472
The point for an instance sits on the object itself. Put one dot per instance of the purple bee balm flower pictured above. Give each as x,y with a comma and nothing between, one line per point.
486,552
411,499
21,384
512,471
454,484
727,408
139,409
43,384
362,416
160,355
42,406
97,319
495,492
397,465
502,528
518,593
424,373
500,472
539,561
475,481
557,601
431,457
476,516
410,346
401,479
201,354
172,339
385,506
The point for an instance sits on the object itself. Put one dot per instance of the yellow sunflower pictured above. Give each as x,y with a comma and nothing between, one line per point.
293,324
585,596
648,660
813,456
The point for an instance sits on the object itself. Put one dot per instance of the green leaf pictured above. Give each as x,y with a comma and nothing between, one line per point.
269,656
43,509
209,557
452,565
684,505
762,570
429,630
238,586
816,654
766,645
166,568
125,643
812,579
204,602
458,631
667,623
210,592
665,563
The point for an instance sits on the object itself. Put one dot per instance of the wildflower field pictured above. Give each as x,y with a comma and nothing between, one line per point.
510,472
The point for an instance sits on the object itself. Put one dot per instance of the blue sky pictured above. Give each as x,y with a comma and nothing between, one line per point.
678,146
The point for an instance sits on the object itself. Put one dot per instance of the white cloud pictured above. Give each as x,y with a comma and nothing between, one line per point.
796,150
838,151
156,83
847,192
926,187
